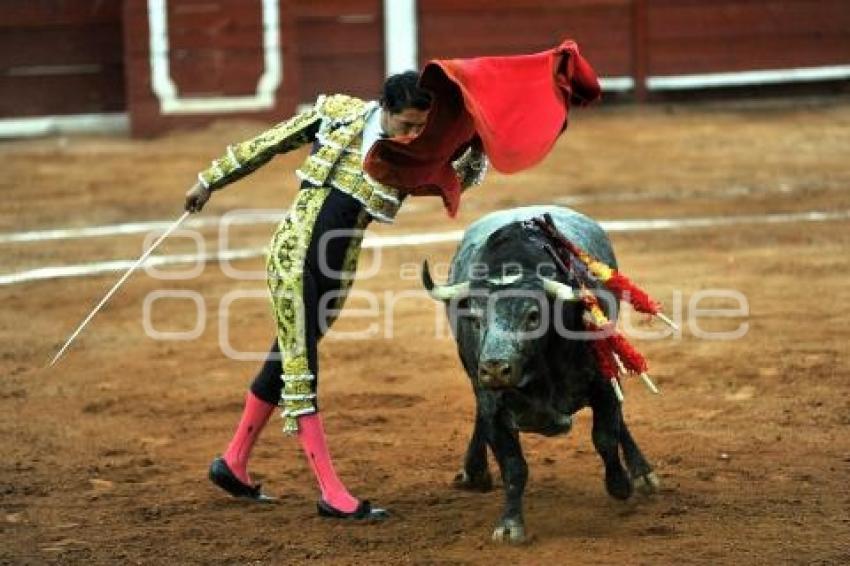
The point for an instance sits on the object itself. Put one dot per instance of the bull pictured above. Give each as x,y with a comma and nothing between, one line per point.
517,321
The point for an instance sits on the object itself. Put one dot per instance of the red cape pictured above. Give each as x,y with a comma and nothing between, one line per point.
516,107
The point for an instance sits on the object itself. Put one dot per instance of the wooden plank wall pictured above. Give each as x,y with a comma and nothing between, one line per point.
60,57
215,49
694,36
449,28
340,47
92,56
646,37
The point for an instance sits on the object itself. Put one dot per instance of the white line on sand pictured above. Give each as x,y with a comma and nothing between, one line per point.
133,228
634,225
708,194
274,216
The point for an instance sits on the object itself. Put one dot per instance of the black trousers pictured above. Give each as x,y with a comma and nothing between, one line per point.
327,260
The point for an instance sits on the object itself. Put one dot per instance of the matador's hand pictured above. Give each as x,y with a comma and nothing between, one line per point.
197,197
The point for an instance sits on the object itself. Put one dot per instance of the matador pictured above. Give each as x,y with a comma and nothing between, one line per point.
312,257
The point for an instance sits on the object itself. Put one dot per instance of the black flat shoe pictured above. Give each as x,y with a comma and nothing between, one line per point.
364,512
221,476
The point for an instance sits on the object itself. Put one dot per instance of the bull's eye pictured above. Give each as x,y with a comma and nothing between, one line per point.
476,319
532,319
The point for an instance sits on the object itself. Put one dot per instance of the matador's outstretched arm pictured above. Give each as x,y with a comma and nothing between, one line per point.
245,157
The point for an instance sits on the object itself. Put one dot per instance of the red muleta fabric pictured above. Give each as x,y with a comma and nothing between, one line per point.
515,106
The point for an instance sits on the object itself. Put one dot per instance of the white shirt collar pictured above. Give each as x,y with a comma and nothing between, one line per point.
372,131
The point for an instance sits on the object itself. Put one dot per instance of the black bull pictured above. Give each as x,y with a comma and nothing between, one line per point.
515,321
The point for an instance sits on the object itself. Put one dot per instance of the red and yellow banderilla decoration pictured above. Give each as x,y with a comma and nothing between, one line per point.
614,354
622,287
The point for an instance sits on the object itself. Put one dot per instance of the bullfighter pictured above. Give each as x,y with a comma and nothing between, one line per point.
336,194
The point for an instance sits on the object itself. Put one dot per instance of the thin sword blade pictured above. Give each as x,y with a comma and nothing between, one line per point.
115,287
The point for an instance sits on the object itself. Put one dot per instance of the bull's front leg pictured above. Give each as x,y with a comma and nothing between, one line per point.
607,421
643,478
504,441
475,475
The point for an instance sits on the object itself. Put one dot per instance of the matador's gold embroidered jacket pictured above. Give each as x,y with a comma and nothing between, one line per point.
336,124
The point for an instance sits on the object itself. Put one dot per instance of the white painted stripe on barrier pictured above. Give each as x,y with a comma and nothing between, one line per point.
738,78
744,78
636,225
616,84
166,91
401,36
68,124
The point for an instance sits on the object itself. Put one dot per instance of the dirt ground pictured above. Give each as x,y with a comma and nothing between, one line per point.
104,456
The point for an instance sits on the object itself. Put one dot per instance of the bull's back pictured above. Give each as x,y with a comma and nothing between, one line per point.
575,226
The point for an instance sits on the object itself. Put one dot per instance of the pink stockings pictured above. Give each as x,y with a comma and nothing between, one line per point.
311,435
255,415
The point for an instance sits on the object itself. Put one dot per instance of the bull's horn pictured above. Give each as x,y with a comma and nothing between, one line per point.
560,290
442,292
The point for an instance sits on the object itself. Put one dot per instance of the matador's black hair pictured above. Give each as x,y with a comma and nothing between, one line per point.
401,92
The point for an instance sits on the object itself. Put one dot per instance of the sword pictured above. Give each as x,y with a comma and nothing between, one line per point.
115,287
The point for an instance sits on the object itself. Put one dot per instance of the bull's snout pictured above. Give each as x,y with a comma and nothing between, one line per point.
496,373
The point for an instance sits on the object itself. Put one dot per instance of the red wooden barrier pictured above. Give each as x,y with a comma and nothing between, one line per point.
448,28
693,36
215,55
60,57
340,47
94,56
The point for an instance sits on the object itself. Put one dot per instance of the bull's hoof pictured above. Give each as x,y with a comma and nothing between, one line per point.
647,483
617,483
510,531
482,482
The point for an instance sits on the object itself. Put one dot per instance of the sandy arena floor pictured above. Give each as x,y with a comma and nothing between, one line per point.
105,456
